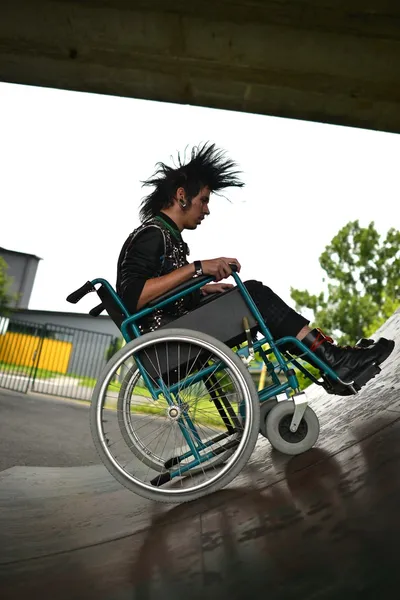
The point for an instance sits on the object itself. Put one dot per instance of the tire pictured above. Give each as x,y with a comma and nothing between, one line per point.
248,397
279,434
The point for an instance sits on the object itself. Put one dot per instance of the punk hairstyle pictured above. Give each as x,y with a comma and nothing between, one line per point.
208,166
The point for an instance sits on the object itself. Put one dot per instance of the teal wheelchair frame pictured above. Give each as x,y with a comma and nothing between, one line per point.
293,408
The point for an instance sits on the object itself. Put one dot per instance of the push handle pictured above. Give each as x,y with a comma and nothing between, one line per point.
233,266
80,293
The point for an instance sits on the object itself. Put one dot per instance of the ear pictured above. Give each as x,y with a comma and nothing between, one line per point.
181,194
181,197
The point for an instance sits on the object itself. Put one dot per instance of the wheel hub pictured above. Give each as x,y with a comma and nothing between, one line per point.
174,412
290,436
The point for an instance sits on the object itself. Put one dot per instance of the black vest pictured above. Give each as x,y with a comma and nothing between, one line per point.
175,256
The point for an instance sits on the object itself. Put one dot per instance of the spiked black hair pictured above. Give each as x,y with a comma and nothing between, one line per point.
208,166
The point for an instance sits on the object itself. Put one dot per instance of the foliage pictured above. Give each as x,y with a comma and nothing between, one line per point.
363,289
114,346
6,298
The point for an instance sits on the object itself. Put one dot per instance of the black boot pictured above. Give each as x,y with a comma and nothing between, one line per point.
355,364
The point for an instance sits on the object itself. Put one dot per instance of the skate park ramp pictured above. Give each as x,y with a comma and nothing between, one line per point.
323,525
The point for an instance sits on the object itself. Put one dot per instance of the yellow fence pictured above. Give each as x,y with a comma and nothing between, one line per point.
22,349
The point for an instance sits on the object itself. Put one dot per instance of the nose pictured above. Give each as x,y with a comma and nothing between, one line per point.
206,210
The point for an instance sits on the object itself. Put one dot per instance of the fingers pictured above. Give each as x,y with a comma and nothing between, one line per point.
233,261
220,268
216,288
222,287
225,269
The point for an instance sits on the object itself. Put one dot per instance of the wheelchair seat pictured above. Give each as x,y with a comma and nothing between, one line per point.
221,316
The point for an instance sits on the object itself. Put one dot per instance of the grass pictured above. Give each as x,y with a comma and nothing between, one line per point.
203,411
24,370
45,373
14,369
88,382
211,417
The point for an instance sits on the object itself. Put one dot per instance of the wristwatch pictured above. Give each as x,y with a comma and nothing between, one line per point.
198,269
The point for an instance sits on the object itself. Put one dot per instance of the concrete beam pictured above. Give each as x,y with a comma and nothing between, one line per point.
320,60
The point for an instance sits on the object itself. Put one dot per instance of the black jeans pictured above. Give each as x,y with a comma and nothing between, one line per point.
280,319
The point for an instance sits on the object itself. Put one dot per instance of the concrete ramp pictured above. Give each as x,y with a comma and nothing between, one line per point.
323,525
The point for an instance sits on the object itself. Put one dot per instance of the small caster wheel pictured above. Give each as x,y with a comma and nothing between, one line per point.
278,429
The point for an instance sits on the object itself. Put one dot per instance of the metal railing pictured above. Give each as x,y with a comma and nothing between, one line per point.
52,359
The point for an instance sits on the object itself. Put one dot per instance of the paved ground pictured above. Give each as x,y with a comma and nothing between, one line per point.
44,432
321,526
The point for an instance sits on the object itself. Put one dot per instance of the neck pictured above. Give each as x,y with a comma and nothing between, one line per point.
175,213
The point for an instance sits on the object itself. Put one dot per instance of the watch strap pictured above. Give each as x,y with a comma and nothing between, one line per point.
198,269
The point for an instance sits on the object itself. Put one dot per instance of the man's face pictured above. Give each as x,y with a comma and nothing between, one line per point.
198,209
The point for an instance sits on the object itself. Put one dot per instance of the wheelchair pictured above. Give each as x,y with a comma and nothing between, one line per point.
175,414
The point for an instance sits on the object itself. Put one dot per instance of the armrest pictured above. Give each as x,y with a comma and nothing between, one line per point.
97,310
180,288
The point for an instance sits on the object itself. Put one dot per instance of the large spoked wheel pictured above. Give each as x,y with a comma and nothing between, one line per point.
132,388
278,432
192,432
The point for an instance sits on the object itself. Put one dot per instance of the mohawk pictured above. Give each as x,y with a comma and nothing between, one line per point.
208,166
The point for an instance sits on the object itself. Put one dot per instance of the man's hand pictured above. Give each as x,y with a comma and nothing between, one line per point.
216,288
219,267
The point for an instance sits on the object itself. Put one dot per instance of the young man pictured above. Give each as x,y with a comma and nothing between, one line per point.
153,261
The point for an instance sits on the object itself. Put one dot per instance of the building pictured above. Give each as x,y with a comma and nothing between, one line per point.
22,271
55,351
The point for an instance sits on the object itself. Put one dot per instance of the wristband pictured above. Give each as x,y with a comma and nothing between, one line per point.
198,269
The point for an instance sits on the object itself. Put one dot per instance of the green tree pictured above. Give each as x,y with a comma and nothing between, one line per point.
114,346
6,298
363,283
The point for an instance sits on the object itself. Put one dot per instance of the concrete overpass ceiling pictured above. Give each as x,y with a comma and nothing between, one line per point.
320,60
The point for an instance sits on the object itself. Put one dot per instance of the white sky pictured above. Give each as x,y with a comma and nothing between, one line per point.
71,166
